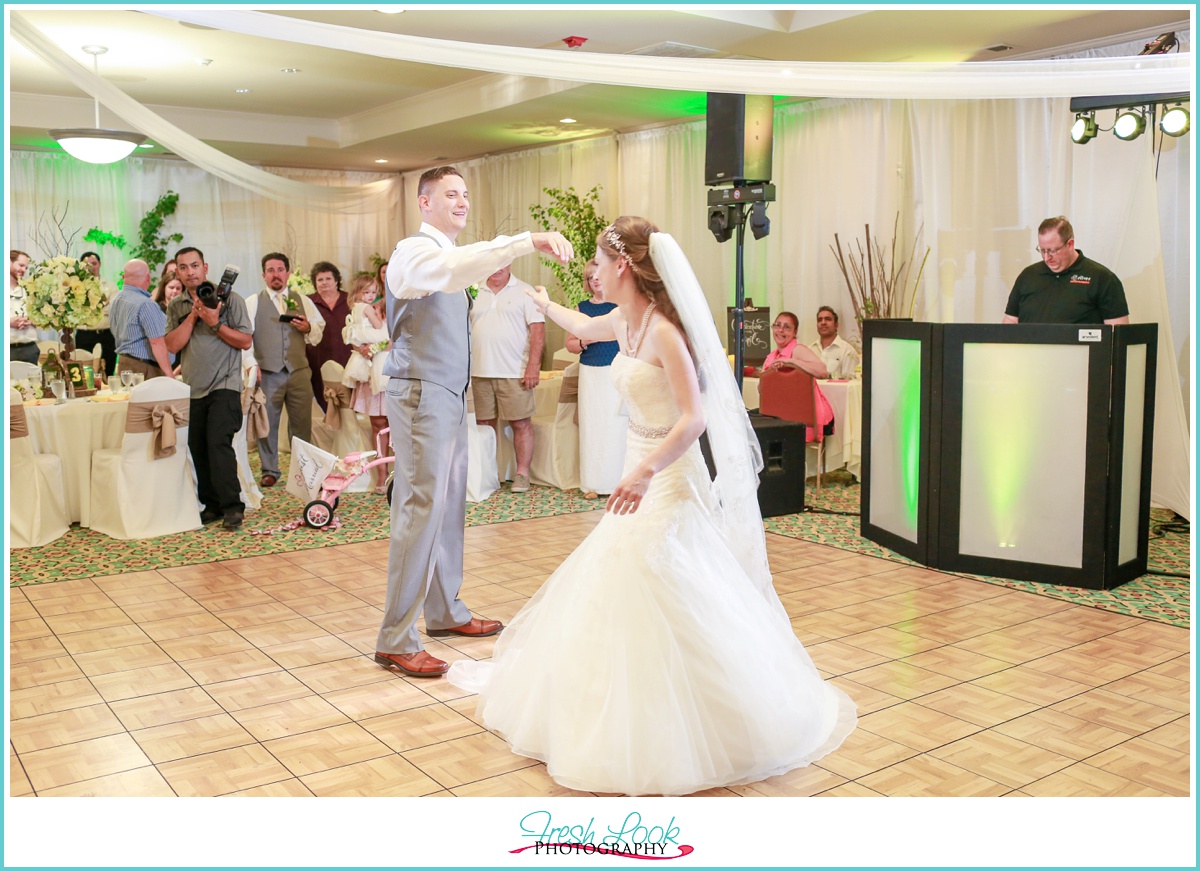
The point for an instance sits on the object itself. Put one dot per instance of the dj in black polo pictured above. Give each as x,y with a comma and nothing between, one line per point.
1065,287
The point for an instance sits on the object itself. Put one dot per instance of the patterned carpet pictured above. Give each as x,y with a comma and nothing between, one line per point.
82,553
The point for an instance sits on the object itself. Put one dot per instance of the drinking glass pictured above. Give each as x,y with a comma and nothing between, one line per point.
59,388
138,378
127,380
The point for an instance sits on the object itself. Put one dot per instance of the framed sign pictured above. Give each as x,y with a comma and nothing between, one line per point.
81,375
756,339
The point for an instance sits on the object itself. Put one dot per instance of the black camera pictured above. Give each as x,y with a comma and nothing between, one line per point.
213,296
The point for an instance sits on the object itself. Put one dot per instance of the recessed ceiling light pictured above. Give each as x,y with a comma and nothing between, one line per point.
289,70
567,121
381,160
391,10
241,90
146,145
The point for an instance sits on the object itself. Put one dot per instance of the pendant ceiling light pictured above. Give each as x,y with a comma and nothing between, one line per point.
93,144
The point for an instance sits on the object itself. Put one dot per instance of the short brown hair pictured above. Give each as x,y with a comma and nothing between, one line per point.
826,308
1065,231
15,253
430,177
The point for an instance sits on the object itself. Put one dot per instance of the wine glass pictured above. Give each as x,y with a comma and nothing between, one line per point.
127,380
138,378
59,388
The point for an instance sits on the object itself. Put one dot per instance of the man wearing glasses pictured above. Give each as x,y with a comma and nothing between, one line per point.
1065,287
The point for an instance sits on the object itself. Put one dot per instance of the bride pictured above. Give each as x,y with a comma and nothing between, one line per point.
657,659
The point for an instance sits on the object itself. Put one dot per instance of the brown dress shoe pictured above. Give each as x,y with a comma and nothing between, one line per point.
269,480
419,664
475,628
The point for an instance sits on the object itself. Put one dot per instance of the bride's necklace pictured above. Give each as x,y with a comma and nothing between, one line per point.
632,345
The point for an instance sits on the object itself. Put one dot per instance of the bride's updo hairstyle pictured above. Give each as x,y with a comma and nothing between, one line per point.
628,238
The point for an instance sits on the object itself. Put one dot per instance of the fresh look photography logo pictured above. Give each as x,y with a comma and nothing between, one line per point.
633,838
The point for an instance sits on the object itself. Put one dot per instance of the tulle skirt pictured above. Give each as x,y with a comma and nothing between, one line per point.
648,664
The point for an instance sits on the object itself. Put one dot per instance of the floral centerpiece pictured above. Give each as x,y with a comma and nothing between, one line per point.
29,390
61,293
301,283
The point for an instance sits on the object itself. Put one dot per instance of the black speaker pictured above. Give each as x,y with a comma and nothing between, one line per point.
781,481
739,134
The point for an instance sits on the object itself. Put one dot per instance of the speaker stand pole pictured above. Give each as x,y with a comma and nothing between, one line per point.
737,213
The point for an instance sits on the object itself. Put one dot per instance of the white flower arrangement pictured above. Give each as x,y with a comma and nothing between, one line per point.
29,391
61,293
301,283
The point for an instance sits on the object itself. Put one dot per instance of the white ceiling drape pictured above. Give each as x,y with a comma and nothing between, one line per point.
356,199
995,80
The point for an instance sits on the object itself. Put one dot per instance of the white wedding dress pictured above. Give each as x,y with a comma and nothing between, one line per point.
648,664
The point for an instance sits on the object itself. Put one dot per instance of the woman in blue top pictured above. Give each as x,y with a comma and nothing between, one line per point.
602,415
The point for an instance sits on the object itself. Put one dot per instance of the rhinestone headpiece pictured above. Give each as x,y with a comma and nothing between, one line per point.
611,236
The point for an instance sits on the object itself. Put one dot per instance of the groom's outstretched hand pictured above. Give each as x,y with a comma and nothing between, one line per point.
554,244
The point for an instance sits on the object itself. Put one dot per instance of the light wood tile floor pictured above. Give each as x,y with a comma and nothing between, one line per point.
254,677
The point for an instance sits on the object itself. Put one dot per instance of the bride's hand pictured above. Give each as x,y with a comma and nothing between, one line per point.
628,494
540,298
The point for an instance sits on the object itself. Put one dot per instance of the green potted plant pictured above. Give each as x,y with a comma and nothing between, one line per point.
574,216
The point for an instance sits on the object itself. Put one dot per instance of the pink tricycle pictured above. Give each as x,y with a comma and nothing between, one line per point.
319,512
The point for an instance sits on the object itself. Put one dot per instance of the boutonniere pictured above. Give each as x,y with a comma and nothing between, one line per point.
474,291
291,302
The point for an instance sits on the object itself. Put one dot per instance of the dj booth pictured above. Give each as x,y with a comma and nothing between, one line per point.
1018,451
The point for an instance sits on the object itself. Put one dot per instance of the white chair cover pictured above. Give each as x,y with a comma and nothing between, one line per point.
251,496
482,477
350,436
556,439
135,495
38,514
19,370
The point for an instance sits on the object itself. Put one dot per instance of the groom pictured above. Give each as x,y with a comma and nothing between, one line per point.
428,317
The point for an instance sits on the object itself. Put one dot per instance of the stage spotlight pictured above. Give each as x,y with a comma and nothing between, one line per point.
760,224
1129,125
1176,121
718,222
1084,129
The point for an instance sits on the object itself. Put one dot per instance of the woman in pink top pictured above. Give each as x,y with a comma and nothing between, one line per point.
789,353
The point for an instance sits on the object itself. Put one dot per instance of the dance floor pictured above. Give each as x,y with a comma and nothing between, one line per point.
253,676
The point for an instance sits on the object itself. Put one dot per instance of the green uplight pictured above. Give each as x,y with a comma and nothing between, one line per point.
906,357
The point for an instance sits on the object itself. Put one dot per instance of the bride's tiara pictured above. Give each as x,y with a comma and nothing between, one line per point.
611,236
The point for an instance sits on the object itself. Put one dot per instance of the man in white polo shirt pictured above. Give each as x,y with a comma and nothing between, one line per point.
508,335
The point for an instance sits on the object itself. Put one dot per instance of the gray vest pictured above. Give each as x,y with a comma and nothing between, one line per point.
278,346
431,338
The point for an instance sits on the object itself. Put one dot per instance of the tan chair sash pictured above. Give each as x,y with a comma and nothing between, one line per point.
254,406
18,425
160,418
337,397
570,389
569,393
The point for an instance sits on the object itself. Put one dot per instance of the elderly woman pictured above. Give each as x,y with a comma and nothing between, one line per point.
366,335
602,417
331,303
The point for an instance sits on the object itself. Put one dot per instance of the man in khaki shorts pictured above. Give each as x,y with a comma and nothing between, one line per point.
508,335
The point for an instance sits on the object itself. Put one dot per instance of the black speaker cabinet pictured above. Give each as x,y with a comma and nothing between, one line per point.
739,138
781,481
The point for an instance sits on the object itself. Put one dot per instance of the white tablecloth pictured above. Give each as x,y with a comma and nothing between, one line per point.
73,431
844,447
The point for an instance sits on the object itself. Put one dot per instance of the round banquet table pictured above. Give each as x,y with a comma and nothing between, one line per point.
72,431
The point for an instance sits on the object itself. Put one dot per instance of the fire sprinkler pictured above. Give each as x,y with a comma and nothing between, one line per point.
575,41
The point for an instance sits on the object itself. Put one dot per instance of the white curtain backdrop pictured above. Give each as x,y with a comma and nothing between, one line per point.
226,222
